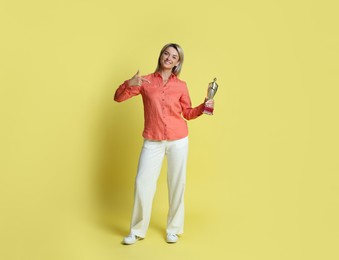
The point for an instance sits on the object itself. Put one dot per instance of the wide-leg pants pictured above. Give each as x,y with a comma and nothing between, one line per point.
149,167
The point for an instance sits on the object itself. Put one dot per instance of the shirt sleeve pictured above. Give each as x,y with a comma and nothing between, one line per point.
187,111
125,92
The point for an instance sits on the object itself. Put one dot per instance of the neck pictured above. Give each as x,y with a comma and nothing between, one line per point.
165,74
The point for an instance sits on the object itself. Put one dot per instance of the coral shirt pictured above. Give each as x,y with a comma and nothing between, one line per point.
165,105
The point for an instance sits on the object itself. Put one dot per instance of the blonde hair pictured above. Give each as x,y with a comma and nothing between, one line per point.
177,69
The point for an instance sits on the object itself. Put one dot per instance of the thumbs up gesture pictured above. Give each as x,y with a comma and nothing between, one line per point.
137,80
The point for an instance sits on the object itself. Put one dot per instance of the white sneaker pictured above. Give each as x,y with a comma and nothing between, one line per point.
131,239
171,238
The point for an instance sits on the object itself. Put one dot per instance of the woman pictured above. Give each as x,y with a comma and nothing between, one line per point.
166,101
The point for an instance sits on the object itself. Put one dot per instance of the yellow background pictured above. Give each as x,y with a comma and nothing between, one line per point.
263,171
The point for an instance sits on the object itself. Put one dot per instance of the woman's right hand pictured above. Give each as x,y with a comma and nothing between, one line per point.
137,80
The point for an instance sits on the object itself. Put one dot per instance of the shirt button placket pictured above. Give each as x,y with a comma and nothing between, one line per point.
164,115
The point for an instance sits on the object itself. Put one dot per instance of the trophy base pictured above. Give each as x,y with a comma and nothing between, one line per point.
208,111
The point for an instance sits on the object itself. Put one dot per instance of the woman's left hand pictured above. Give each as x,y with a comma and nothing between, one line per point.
208,106
209,103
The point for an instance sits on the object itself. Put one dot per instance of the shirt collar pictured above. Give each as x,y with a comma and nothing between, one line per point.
157,74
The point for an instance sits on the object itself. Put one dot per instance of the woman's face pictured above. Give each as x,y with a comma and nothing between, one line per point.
169,58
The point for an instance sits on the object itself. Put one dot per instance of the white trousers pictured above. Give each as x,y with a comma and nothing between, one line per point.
149,167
